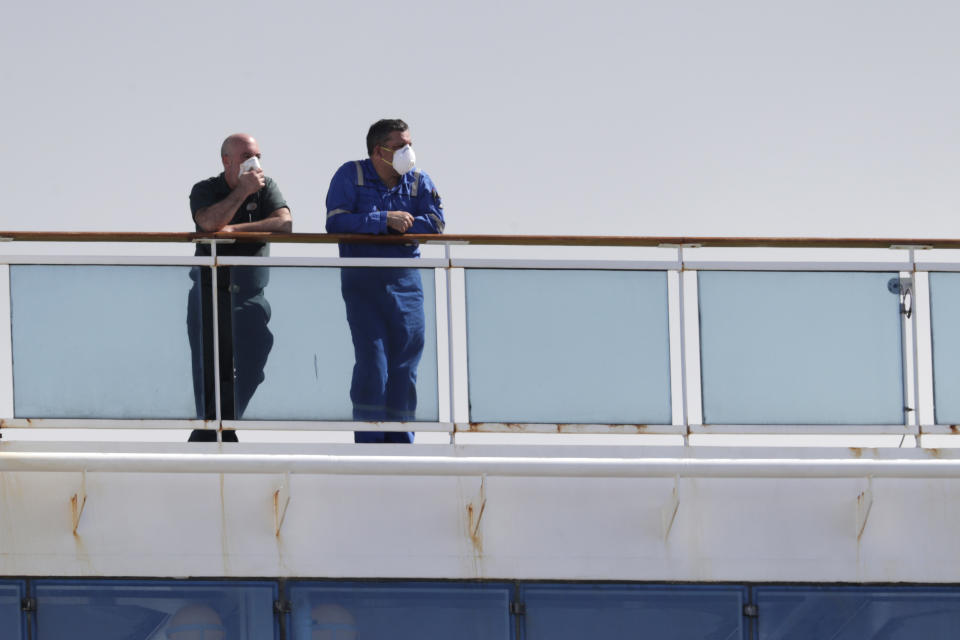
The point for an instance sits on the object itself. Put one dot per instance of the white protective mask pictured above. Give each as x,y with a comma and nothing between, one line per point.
250,164
404,159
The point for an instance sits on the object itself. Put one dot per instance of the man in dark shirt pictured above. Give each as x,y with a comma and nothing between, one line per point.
236,200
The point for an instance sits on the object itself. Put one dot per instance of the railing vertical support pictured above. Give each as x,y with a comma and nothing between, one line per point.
916,359
683,350
6,344
448,275
214,282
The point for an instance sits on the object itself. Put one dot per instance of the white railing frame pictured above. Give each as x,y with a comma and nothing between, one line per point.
914,365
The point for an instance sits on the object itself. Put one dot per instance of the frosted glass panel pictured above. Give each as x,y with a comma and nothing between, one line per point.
563,612
308,373
800,348
101,342
945,327
902,613
568,346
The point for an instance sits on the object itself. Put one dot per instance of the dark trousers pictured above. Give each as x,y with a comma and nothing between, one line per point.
245,344
385,313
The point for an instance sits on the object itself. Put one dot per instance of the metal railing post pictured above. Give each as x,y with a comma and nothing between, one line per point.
448,275
218,415
916,358
683,350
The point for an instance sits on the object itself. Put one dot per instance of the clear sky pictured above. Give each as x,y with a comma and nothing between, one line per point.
747,117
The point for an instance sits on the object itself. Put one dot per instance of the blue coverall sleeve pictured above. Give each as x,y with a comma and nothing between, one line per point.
342,216
428,217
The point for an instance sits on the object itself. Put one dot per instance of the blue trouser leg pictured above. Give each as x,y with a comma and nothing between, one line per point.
385,313
367,329
405,336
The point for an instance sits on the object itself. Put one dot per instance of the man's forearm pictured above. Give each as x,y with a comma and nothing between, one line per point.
217,216
279,221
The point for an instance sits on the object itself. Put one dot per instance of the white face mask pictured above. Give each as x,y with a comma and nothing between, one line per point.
251,163
403,159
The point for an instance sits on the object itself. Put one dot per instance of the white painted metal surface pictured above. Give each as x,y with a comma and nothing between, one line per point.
797,528
619,265
195,261
314,425
460,393
399,463
6,346
444,345
795,429
796,265
419,263
548,427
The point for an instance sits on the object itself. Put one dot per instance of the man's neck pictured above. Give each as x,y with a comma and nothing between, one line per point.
387,175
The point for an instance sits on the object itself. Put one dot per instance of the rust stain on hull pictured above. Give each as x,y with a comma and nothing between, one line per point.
76,507
474,515
480,427
276,512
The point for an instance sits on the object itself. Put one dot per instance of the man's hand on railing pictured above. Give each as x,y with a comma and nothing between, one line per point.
399,220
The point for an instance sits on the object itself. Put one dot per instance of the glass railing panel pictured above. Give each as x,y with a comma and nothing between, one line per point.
99,610
11,615
945,335
568,346
294,346
400,611
574,612
800,348
104,342
854,613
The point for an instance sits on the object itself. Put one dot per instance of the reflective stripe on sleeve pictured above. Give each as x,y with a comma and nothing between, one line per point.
437,220
330,214
359,173
416,183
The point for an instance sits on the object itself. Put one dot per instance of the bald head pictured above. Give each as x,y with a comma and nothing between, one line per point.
236,141
196,622
234,150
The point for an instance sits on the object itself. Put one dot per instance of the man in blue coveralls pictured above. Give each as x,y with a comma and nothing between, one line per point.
384,194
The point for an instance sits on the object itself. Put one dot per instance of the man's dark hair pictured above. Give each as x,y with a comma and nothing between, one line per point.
381,130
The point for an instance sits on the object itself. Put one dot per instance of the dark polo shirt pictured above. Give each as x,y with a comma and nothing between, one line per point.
246,281
256,207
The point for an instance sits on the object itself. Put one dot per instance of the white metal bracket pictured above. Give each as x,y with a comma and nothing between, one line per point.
281,500
475,511
79,501
668,513
864,504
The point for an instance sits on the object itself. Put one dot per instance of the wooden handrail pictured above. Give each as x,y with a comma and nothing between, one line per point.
489,240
